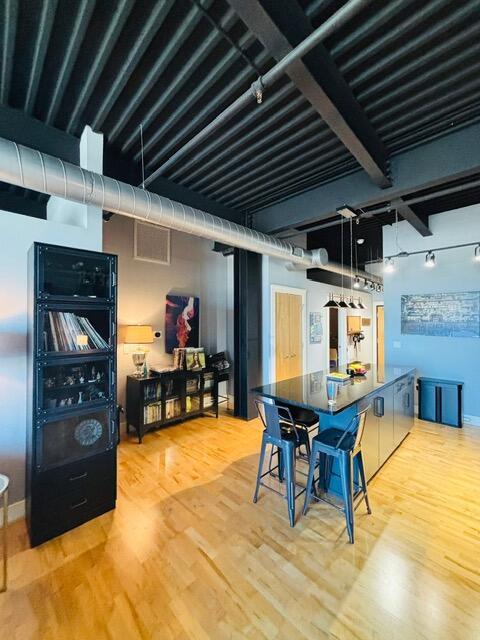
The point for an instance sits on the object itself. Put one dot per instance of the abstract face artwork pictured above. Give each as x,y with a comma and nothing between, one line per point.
181,322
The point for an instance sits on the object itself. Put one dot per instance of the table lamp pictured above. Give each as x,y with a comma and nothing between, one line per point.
139,334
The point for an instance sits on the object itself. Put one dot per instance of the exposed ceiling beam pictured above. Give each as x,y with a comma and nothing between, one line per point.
410,216
430,164
8,26
281,28
18,204
23,129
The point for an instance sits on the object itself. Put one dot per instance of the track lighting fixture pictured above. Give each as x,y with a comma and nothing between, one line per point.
477,253
430,259
366,286
389,266
356,283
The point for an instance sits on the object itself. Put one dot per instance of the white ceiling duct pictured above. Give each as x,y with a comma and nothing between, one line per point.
32,169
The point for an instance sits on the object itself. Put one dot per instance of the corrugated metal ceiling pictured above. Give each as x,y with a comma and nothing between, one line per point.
173,65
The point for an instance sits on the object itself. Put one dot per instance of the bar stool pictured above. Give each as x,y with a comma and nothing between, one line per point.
280,432
346,447
4,482
303,418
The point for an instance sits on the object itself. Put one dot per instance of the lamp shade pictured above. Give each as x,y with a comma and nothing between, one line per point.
138,334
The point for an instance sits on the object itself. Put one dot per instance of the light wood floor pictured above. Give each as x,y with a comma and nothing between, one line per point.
186,554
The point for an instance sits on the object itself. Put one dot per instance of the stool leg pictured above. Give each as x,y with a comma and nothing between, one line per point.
311,471
346,477
5,550
361,471
289,451
281,463
260,468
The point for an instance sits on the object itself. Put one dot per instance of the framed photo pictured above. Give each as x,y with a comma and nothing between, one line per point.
316,329
182,322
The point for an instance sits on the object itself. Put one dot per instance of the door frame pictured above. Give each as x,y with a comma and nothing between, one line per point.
377,304
278,288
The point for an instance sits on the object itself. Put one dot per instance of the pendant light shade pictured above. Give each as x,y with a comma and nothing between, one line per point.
360,304
352,304
331,304
343,304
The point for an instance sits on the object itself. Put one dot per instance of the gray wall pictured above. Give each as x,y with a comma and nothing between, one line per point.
142,288
444,357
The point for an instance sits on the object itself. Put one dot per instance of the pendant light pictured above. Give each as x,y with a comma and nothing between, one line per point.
351,304
331,304
360,304
342,304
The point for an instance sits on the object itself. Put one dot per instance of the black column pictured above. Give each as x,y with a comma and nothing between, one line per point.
247,329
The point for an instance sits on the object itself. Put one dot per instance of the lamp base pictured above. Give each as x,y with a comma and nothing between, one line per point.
139,358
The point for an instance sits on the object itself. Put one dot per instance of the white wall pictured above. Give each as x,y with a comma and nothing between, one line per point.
17,235
142,288
443,357
275,273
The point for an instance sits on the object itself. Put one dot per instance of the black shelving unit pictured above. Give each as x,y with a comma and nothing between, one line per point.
71,446
158,400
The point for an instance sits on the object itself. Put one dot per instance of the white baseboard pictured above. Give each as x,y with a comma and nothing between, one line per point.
16,511
471,421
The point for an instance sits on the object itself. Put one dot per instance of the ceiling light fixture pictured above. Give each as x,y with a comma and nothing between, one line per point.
430,259
360,240
356,283
366,286
331,304
360,304
352,304
477,253
389,266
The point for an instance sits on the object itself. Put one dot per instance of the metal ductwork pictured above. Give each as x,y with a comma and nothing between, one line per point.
32,169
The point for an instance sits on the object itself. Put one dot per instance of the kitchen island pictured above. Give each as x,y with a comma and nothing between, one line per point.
389,393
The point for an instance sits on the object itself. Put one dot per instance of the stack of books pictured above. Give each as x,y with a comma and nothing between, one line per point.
152,413
69,332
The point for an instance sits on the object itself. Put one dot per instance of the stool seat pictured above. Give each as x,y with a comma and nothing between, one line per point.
288,433
302,417
332,437
4,482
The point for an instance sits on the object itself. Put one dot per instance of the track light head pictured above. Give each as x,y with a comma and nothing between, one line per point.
356,283
389,266
430,259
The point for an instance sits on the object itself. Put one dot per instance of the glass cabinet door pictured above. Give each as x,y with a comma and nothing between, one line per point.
63,440
63,329
66,273
73,384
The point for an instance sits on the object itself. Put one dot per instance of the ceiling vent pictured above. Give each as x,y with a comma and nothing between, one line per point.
151,243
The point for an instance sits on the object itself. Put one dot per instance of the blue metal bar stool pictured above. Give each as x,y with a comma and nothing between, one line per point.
346,447
4,482
303,418
280,432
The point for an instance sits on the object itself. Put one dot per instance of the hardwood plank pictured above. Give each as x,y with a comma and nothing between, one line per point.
186,555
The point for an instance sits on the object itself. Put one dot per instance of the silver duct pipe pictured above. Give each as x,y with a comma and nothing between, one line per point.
32,169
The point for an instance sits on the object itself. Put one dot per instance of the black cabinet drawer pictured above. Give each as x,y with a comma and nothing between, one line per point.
73,506
99,470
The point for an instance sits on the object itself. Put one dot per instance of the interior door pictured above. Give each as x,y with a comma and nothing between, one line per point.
288,336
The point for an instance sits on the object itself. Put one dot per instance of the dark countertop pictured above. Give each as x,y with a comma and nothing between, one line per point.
310,391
